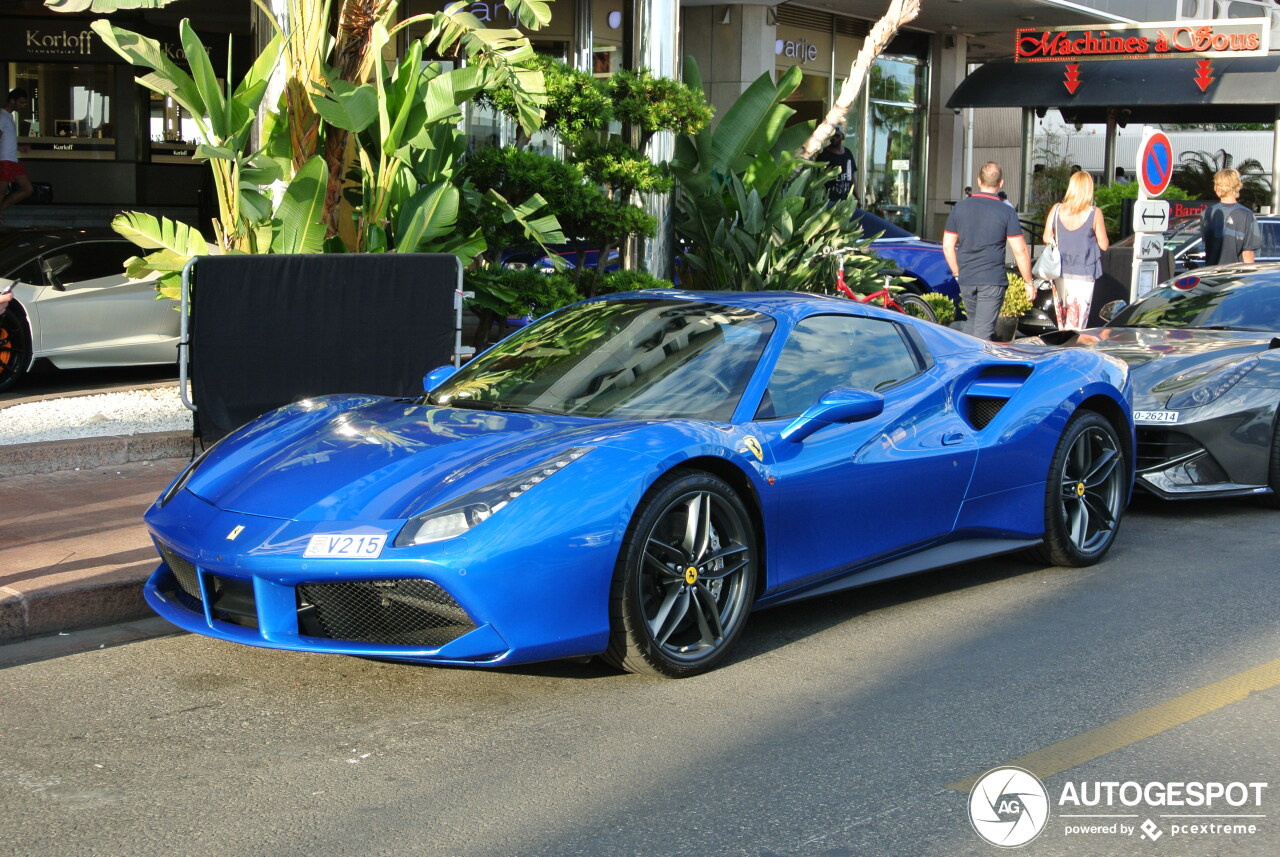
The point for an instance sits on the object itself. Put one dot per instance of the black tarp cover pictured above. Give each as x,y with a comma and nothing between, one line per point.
268,330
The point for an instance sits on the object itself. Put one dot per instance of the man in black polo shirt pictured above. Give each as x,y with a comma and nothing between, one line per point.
978,230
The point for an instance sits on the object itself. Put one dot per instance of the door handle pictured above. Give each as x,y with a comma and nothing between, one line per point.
953,437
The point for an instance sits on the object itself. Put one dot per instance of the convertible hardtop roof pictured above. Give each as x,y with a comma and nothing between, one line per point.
19,245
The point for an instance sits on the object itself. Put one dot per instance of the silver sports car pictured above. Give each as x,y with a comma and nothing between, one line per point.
74,306
1204,353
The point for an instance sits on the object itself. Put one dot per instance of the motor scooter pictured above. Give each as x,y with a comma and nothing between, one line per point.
1041,317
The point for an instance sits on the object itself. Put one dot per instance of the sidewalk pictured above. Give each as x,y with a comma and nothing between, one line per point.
73,549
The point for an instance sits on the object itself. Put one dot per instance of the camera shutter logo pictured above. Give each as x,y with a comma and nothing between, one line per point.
1008,807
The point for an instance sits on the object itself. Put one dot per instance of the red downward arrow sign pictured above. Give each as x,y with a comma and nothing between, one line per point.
1202,75
1072,83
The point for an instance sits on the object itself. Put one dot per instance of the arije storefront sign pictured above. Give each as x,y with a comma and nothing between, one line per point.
1236,37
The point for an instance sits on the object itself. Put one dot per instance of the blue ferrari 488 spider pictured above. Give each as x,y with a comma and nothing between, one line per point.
631,476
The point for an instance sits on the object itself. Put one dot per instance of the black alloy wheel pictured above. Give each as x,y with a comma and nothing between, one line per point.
685,578
15,347
1086,492
1273,467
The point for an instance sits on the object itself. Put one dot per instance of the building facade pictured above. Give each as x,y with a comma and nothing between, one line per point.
105,144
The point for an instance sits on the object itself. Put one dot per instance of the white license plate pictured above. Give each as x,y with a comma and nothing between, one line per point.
345,547
1155,416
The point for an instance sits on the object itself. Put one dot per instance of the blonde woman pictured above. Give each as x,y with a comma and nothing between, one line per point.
1076,226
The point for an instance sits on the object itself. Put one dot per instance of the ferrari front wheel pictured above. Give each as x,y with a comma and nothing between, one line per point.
685,578
15,347
1086,492
1273,468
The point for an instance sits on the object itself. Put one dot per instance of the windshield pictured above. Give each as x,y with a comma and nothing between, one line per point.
648,359
1181,234
1223,302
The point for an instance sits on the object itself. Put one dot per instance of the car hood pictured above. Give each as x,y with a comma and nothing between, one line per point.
1156,355
345,458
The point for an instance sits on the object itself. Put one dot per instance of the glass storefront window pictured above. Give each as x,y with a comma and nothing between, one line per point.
897,80
171,130
810,98
487,128
71,114
894,178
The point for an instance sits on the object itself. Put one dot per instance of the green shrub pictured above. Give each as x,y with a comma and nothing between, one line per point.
943,307
1110,198
629,281
1016,301
510,293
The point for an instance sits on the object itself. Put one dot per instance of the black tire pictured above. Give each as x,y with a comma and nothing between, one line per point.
685,578
15,347
1086,492
1272,500
916,307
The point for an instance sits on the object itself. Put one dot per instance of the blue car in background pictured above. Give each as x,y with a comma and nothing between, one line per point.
914,259
630,477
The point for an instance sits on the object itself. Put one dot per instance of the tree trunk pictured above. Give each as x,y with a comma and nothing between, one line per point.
900,12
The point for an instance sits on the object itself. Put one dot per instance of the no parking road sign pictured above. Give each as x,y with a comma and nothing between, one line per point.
1155,162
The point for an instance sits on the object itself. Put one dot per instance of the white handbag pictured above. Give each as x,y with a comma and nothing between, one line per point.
1049,265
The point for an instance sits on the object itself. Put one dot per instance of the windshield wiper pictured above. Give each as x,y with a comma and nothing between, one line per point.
1231,327
502,407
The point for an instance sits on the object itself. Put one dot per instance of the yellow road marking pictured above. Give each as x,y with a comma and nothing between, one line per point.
1087,746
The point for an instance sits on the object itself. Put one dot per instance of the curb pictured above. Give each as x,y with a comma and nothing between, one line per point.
26,616
32,459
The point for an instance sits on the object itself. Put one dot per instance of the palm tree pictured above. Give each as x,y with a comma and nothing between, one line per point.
1195,176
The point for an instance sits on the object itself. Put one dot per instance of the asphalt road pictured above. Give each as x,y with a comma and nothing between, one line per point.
843,726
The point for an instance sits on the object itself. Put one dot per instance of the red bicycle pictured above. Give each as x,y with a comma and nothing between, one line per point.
904,302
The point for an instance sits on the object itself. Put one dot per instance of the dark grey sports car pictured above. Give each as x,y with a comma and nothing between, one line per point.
1204,353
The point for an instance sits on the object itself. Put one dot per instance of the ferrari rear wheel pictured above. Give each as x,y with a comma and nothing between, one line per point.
1086,492
685,578
15,347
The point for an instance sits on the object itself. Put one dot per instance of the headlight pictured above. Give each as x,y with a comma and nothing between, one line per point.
185,476
1210,388
457,516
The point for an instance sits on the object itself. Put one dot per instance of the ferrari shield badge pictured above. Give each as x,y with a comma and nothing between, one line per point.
754,446
231,536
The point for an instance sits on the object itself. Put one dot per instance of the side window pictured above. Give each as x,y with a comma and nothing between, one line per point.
1270,240
96,259
829,351
29,273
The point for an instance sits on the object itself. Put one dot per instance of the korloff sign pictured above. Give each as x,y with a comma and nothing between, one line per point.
1234,37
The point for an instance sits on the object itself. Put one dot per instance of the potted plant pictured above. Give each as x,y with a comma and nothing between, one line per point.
1015,304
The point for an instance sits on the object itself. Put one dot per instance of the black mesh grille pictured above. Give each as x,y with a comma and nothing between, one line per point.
183,571
1158,446
983,409
390,612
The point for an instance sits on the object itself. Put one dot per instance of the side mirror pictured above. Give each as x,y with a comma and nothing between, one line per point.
436,377
840,405
1111,310
52,266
